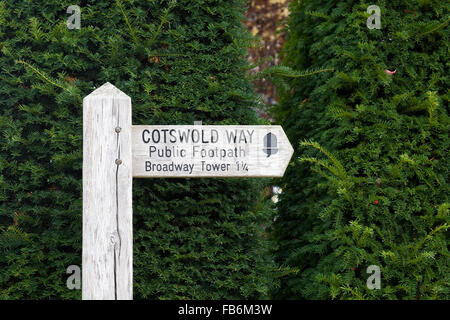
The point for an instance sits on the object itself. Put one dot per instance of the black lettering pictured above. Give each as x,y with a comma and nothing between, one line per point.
214,136
203,137
153,136
184,135
172,135
145,131
195,140
151,149
165,134
231,136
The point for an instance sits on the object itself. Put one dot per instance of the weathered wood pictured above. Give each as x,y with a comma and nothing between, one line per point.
209,151
107,270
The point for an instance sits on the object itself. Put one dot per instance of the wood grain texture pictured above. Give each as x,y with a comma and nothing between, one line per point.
107,270
203,154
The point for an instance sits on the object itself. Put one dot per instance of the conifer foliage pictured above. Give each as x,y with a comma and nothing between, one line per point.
179,61
369,183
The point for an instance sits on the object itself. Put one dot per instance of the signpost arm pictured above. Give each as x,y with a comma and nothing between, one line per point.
107,270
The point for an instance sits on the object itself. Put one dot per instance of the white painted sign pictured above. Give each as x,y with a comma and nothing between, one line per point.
115,151
209,151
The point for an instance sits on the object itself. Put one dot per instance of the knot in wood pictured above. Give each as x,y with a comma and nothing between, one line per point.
114,238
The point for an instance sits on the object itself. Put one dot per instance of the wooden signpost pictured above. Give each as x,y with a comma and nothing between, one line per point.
115,151
209,151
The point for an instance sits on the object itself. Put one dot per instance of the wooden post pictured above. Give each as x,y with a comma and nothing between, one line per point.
107,270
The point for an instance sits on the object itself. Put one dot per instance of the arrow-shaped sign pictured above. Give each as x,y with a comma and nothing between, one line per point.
115,151
209,151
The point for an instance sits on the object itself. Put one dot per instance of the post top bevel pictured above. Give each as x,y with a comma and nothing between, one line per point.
107,89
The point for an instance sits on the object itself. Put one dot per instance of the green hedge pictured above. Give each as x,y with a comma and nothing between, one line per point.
369,183
179,62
